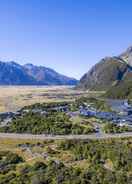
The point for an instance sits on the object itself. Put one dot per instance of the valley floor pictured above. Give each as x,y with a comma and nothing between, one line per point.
61,143
12,98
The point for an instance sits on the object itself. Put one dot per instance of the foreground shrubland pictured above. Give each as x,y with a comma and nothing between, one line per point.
106,162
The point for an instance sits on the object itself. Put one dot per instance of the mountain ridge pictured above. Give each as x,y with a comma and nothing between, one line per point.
110,74
12,73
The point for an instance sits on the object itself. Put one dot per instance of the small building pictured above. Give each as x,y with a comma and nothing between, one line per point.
87,112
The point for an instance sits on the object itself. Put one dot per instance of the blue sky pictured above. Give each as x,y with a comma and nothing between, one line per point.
67,35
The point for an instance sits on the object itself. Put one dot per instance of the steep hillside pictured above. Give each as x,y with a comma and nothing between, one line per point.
109,73
124,89
12,73
121,91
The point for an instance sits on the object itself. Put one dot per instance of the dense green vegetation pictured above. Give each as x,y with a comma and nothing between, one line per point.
46,106
113,128
106,162
51,123
98,104
121,91
8,161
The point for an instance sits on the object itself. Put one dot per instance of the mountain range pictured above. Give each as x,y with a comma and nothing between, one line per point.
12,73
112,74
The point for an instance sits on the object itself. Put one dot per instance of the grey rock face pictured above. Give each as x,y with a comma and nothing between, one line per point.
127,56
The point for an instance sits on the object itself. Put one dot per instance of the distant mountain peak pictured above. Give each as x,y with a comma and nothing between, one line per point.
15,74
127,55
28,65
129,49
13,63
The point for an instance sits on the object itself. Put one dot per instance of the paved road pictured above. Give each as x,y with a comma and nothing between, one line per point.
61,137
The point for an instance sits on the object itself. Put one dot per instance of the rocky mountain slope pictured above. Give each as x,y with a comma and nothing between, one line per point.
104,74
12,73
113,74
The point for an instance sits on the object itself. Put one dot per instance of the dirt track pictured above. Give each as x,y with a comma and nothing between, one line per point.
64,137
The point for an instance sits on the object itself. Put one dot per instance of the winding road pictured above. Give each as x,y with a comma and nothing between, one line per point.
64,137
